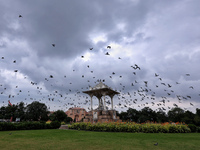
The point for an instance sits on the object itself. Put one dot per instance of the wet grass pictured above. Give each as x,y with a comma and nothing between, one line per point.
82,140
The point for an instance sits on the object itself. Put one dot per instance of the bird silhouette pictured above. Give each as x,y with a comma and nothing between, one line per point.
156,75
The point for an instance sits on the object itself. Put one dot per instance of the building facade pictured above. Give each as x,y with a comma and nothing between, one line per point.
76,113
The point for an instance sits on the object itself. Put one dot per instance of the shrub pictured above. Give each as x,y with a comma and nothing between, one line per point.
132,127
6,126
55,124
48,126
198,129
192,127
63,123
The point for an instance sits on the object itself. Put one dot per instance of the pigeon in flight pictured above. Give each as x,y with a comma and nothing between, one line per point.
107,53
156,75
53,45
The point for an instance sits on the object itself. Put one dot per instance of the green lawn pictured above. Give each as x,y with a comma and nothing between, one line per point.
86,140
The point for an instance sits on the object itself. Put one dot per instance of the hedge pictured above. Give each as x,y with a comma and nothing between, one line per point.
192,127
132,127
5,126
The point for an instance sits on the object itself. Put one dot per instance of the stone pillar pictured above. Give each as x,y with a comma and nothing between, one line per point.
104,102
111,96
112,103
91,101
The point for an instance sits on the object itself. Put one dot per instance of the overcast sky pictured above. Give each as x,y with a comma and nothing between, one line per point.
153,60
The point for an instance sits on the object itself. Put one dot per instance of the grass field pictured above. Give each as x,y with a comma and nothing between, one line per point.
86,140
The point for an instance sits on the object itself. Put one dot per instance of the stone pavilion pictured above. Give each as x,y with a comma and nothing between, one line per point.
101,113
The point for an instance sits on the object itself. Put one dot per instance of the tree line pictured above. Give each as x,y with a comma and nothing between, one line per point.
174,115
35,111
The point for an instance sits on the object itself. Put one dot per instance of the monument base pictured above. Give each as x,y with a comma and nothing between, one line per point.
101,116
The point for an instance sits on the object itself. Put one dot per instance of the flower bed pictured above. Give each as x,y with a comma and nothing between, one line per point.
133,127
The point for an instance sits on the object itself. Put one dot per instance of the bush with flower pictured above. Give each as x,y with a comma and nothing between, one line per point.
148,127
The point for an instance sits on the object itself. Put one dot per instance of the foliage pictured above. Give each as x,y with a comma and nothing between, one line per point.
36,111
7,126
60,116
55,124
149,127
33,112
192,127
175,115
198,129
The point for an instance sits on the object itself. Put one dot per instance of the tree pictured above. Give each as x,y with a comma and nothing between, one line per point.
175,114
36,111
161,116
20,111
188,117
198,112
197,117
2,112
123,116
58,115
133,115
10,111
147,114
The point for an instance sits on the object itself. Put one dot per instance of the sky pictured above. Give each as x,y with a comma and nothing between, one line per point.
148,51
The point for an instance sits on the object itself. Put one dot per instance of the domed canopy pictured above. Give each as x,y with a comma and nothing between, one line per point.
101,90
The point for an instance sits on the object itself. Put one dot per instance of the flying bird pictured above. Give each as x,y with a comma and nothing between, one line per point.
191,87
20,16
109,47
107,53
53,45
156,75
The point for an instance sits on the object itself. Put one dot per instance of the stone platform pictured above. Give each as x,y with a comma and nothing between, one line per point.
101,116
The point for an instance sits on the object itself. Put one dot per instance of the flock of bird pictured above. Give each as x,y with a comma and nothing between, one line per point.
136,94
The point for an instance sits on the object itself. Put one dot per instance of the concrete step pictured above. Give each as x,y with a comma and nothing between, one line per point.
64,127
